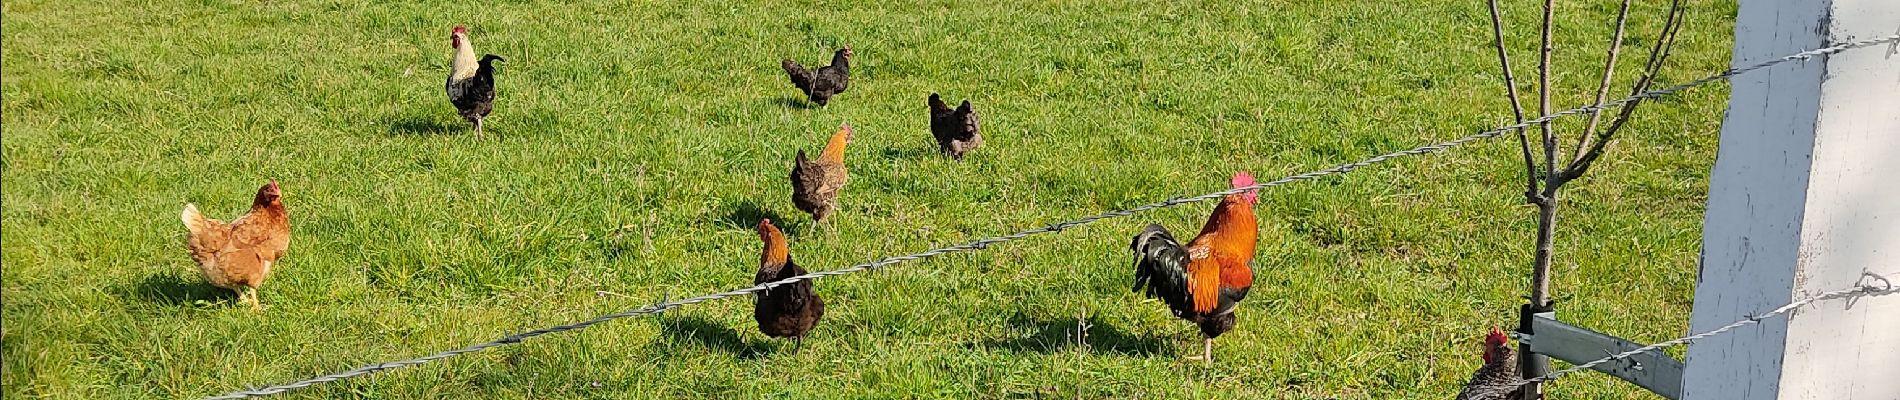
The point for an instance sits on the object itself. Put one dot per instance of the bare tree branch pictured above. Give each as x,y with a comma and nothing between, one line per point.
1658,56
1543,99
1517,107
1603,87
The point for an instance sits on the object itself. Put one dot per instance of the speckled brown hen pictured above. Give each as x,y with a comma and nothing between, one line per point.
815,183
956,129
1498,378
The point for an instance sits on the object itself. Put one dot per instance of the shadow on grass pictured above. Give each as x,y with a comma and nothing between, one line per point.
745,215
1049,336
908,153
173,290
413,125
794,102
712,335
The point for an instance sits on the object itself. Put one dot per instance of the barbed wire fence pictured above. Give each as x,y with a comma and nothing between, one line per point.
1871,285
984,243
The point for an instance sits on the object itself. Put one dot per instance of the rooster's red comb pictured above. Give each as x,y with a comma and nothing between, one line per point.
460,29
1496,337
1242,179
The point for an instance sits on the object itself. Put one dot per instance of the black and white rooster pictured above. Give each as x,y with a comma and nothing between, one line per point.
471,85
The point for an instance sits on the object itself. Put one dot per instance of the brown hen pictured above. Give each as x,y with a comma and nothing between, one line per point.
789,310
238,255
815,183
956,129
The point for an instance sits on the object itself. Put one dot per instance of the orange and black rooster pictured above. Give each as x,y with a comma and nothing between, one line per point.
956,129
1204,281
815,183
239,255
820,85
471,84
1498,378
789,310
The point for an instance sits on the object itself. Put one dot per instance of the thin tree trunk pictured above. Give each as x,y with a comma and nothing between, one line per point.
1531,364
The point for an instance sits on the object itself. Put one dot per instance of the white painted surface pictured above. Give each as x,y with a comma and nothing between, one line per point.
1803,199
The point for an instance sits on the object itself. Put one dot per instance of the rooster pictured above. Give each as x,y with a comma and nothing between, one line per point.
1204,281
956,130
789,310
238,255
1498,378
815,183
471,85
820,85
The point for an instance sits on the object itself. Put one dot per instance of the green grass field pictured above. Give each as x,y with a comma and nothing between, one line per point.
634,144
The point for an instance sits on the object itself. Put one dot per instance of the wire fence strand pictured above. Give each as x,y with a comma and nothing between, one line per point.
1057,227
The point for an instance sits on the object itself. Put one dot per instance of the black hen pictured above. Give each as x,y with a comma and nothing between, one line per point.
820,85
956,130
471,85
789,310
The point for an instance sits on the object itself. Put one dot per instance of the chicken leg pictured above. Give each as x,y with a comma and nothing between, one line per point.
1207,352
798,343
478,128
248,295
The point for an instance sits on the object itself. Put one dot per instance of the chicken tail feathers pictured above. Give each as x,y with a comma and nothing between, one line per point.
486,67
194,220
1160,266
206,235
937,106
801,77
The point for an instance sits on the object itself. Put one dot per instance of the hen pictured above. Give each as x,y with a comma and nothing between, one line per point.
1498,378
789,310
815,183
238,255
1204,281
820,85
956,129
471,85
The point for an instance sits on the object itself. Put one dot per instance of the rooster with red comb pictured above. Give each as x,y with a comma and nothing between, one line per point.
1204,281
471,85
1497,379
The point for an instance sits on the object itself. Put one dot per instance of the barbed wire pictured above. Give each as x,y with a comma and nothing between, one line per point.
1875,285
1057,227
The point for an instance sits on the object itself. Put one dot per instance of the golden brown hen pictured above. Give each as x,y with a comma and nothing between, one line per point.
238,255
815,183
789,310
